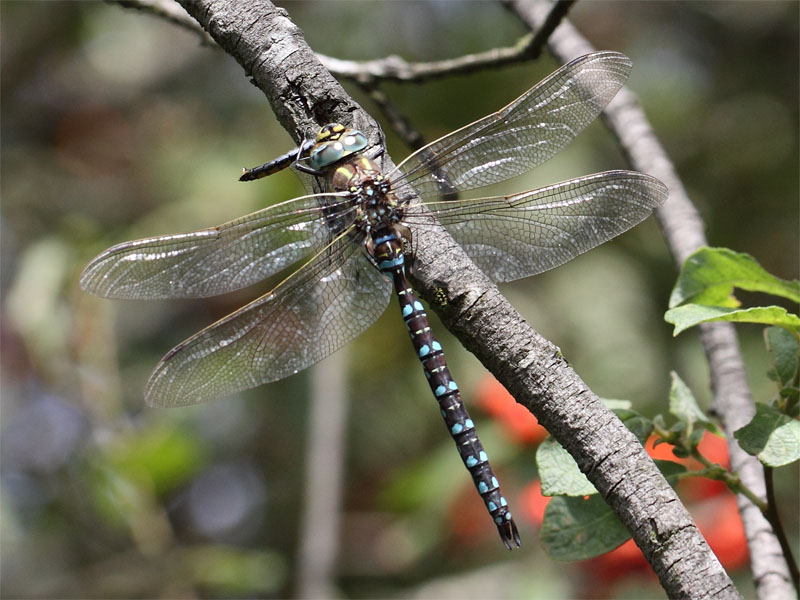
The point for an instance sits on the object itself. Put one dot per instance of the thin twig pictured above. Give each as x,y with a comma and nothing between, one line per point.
720,473
394,68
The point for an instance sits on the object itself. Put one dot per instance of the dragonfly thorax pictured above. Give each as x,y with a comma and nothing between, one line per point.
377,207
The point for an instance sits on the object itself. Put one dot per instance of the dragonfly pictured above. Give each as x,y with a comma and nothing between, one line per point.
352,241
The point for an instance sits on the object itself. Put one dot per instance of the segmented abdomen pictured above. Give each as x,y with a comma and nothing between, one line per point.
388,254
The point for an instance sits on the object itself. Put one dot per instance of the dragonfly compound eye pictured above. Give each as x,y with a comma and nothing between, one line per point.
326,153
354,141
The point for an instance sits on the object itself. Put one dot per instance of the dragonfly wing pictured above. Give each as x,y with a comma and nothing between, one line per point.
216,260
312,313
524,134
510,237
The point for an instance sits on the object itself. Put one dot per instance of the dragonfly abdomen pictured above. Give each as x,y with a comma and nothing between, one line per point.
388,253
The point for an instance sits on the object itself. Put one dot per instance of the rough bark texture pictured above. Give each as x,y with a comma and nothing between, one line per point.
684,232
271,49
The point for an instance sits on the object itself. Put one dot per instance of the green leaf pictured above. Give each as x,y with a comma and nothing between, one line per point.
559,472
709,275
578,528
784,347
771,436
682,403
680,452
689,315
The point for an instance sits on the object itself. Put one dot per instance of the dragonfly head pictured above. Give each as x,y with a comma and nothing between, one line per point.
333,143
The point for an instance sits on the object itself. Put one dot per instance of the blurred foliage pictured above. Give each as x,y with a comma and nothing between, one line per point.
117,125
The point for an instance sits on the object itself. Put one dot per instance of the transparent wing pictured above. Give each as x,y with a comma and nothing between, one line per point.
220,259
524,134
510,237
312,313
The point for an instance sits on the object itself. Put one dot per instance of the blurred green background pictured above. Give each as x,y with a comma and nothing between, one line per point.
118,125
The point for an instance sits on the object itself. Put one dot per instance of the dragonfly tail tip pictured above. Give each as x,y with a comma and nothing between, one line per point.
509,534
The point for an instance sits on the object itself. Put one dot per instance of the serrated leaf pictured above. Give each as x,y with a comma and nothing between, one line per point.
682,403
709,275
784,348
689,315
578,528
559,472
771,436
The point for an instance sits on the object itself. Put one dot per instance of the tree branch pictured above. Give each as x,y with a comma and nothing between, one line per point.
684,232
271,48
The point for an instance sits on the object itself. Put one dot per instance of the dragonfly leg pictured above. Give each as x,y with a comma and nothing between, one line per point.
381,150
306,169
